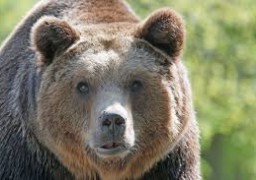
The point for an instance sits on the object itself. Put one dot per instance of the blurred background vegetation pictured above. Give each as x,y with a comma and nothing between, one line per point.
221,58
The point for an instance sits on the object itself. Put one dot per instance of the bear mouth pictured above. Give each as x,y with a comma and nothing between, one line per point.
111,145
111,149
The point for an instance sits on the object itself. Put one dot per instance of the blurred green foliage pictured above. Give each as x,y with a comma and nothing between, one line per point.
11,12
220,55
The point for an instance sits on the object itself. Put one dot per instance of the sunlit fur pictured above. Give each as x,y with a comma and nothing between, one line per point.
104,44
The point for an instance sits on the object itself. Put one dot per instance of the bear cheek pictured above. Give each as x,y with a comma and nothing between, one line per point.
62,121
152,117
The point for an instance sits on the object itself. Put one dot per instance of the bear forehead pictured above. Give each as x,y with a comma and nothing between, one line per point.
125,58
99,54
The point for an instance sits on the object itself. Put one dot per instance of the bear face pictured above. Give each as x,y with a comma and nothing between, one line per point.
108,101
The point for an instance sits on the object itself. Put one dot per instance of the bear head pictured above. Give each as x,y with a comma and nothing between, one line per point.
110,95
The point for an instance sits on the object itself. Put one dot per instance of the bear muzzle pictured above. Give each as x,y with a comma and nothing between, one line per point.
112,138
113,127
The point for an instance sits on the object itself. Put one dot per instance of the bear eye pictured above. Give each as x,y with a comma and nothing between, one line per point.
136,86
83,88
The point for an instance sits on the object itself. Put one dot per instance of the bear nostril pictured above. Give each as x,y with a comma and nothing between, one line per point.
112,119
106,122
119,121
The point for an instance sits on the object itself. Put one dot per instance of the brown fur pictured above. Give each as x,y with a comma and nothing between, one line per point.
104,44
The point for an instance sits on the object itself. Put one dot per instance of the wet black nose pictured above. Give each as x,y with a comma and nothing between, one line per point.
112,119
113,126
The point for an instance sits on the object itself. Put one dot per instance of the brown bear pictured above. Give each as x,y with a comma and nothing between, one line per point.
89,92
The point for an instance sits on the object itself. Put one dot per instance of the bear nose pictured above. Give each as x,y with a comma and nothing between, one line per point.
112,119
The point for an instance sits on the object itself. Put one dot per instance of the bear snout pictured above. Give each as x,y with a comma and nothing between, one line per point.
111,136
112,131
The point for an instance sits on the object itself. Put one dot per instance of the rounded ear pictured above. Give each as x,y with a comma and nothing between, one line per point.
165,30
51,36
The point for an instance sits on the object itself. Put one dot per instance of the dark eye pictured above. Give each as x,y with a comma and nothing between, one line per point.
136,86
83,88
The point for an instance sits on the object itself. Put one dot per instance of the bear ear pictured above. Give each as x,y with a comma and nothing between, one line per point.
52,36
165,30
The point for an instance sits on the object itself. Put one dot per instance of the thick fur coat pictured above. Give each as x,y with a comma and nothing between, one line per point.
62,41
